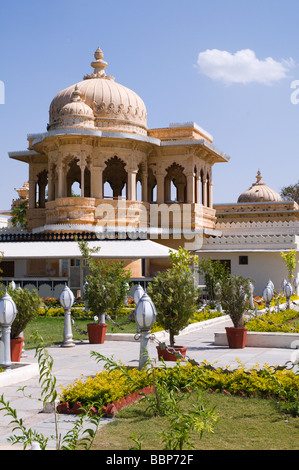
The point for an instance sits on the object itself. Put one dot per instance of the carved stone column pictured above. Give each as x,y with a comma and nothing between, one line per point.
96,175
51,185
204,192
82,168
144,184
32,194
160,188
61,180
210,190
190,188
197,184
131,189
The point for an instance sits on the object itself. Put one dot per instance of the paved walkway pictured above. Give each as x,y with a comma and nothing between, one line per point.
75,362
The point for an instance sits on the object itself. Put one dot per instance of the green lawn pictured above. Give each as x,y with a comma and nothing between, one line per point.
51,329
244,424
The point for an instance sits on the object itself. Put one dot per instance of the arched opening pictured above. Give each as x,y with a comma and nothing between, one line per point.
73,179
151,186
41,189
116,175
175,184
74,187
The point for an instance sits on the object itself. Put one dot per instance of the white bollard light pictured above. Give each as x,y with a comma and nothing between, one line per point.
145,316
67,299
8,312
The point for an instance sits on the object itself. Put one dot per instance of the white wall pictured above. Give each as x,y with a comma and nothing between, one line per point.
261,267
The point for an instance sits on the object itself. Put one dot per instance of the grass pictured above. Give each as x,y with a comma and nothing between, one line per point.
51,329
244,424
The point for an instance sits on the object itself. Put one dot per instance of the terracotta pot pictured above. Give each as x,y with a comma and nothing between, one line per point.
16,347
96,332
236,337
169,356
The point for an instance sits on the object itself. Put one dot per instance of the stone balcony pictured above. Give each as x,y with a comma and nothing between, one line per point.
122,213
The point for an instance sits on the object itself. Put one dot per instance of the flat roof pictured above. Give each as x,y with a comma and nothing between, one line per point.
109,249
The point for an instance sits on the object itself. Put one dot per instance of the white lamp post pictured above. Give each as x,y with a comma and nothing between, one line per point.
288,291
283,284
268,295
67,299
251,289
138,293
145,316
8,312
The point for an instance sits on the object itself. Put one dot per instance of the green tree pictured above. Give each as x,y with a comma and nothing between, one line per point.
214,272
107,282
291,192
233,292
19,214
174,293
28,304
290,261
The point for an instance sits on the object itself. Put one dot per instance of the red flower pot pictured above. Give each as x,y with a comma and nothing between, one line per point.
236,337
96,332
168,355
16,347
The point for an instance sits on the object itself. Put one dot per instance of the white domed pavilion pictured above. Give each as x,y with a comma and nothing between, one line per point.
97,140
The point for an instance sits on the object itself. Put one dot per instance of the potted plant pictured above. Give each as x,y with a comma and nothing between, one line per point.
106,287
175,296
28,304
234,292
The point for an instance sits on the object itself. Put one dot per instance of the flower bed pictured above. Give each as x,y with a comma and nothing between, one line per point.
274,322
115,388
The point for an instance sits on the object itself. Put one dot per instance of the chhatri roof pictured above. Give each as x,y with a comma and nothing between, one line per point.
259,192
114,107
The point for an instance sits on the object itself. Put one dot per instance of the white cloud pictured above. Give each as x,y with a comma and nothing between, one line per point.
242,67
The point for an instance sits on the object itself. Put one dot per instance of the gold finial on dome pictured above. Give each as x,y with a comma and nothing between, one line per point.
99,66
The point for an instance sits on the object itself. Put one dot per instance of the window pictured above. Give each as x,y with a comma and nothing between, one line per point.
243,260
8,268
75,262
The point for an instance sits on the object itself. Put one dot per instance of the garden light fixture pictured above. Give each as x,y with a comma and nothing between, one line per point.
8,312
288,292
138,293
66,300
145,317
268,295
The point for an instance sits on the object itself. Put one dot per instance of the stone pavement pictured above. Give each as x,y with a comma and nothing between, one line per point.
76,362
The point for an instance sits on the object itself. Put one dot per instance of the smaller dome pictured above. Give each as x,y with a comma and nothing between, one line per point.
259,192
76,113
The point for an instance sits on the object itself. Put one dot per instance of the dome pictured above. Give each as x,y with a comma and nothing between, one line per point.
75,114
259,192
114,107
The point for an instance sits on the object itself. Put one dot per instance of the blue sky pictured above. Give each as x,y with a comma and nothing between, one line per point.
239,91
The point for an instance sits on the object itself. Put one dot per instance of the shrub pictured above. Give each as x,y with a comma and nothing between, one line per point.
275,321
28,304
233,292
108,386
174,294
